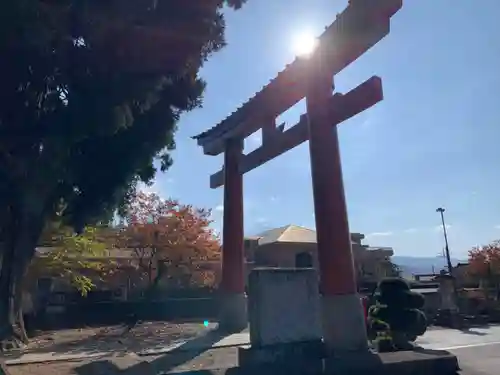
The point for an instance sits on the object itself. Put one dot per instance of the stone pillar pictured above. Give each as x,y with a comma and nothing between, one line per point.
233,311
284,317
344,327
447,293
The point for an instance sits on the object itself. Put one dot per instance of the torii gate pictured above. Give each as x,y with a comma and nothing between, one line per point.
360,26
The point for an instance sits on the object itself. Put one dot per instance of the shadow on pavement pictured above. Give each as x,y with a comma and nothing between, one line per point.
118,339
473,333
143,368
168,361
435,352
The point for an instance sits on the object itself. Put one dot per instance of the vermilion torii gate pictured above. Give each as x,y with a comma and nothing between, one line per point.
360,26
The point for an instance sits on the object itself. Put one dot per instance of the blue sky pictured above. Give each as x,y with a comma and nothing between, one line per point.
432,142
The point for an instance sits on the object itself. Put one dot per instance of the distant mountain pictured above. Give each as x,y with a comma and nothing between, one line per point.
419,265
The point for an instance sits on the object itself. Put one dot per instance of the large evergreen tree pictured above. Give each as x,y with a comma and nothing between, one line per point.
90,95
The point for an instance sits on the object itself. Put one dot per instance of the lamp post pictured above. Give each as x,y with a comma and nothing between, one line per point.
446,249
456,320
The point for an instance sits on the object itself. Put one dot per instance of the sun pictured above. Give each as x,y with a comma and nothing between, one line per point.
304,44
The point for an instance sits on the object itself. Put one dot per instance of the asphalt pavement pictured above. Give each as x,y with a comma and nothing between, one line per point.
479,360
477,349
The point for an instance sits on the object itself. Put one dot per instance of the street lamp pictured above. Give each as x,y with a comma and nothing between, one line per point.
446,249
456,319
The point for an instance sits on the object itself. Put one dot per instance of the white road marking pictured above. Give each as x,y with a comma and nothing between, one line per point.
479,344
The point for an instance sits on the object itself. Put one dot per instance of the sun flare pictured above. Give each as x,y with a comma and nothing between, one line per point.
304,44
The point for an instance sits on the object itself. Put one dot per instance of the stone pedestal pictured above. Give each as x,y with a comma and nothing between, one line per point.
448,314
306,357
283,306
412,362
447,292
358,362
284,316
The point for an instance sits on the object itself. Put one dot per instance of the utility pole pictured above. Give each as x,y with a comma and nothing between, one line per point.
446,249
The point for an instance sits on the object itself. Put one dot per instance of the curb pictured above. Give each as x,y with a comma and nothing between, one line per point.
54,357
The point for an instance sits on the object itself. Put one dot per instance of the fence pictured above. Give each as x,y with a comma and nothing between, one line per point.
116,312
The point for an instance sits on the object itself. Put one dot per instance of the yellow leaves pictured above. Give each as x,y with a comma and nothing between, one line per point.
76,258
82,283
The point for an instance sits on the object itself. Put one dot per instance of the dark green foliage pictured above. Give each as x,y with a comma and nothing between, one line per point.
403,298
392,285
378,324
90,95
411,320
397,311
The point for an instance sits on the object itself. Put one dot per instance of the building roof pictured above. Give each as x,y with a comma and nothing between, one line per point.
288,233
293,233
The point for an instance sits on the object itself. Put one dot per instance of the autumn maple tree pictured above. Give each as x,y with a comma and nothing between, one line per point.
172,242
484,264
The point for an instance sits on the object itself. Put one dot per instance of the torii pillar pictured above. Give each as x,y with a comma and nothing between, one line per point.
233,305
343,320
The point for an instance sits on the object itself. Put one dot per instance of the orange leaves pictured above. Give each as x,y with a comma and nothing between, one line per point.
168,232
484,261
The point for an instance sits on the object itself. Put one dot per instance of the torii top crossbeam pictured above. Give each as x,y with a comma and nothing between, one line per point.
360,26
